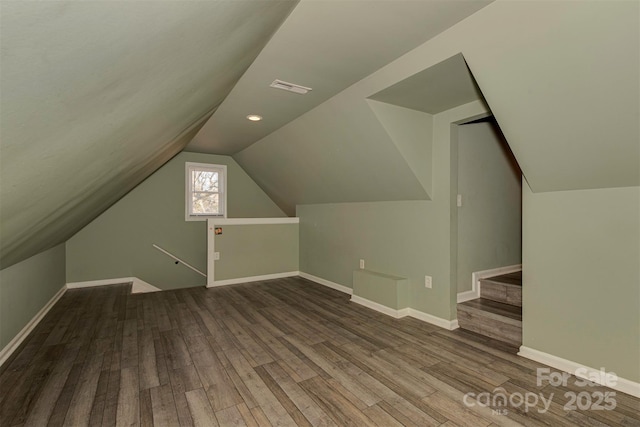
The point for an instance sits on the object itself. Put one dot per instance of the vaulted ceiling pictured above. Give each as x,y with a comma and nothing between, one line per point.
561,78
95,96
325,45
98,95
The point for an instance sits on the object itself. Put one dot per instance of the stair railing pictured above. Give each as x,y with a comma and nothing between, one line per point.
178,260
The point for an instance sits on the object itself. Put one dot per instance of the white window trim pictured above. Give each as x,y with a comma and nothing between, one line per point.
187,190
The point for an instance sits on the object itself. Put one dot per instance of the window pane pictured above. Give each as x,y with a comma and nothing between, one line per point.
205,204
204,180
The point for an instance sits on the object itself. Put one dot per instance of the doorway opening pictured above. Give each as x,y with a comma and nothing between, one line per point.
489,233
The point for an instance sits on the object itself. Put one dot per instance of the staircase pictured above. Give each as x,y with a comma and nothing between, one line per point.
498,312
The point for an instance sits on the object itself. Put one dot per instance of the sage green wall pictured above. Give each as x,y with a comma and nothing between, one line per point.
26,287
490,219
581,292
119,242
390,291
408,239
411,132
396,238
256,250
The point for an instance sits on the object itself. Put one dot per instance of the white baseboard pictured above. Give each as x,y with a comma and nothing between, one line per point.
8,350
379,307
574,368
253,279
476,276
411,312
105,282
468,296
434,320
327,283
138,285
404,312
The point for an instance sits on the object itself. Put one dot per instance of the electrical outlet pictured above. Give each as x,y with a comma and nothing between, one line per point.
216,256
362,264
427,282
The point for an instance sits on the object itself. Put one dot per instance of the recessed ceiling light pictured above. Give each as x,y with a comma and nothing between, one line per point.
254,117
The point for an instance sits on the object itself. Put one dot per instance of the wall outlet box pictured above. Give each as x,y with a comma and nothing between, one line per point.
428,282
362,264
216,256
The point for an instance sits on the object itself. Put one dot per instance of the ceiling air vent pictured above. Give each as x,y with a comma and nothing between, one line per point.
279,84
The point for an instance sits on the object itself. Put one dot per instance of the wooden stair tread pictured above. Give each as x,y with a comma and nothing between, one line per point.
485,340
493,307
497,314
513,279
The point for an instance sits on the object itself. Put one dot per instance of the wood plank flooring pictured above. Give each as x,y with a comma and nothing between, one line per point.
283,353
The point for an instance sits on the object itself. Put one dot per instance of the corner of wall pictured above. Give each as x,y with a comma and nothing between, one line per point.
26,289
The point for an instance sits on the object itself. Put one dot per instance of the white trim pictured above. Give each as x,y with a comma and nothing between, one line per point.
379,307
404,312
211,248
476,276
222,189
252,279
138,285
434,320
622,384
411,312
327,283
12,346
105,282
253,221
467,296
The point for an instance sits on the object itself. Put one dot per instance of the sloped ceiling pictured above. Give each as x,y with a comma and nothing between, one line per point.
325,45
325,158
411,132
95,96
563,81
561,78
441,87
356,149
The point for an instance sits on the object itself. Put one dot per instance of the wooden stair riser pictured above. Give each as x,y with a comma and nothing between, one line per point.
491,325
501,292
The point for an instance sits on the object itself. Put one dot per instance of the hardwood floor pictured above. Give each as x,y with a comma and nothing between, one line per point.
283,352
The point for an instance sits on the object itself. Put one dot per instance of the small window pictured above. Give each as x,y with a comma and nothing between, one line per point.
206,191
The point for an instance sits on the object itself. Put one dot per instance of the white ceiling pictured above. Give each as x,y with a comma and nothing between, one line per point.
325,45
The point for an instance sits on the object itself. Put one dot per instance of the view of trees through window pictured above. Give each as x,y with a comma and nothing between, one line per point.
205,194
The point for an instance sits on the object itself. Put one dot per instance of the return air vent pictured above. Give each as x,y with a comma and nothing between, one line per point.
279,84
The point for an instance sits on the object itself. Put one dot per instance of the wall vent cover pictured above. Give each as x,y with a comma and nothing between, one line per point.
291,87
